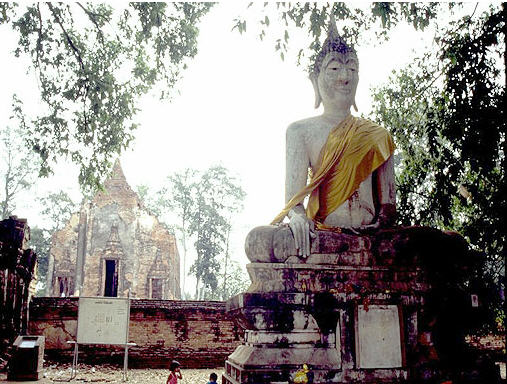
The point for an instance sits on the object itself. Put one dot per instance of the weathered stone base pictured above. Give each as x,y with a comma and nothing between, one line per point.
388,307
280,375
255,364
321,330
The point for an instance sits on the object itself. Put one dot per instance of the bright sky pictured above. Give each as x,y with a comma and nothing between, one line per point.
236,99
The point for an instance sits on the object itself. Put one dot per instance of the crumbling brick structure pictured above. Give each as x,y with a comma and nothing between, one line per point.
198,334
114,246
17,264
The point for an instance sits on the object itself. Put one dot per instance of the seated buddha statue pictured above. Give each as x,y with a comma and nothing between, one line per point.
342,162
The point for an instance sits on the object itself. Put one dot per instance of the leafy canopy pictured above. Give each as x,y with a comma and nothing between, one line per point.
92,64
352,20
447,113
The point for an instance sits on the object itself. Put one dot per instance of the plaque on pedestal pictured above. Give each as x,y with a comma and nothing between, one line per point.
378,337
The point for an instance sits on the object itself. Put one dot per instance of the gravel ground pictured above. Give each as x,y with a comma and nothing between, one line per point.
113,374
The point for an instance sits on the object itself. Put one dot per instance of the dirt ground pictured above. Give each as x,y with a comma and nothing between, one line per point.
113,374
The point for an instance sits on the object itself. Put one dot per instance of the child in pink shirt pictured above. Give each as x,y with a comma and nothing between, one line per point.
175,373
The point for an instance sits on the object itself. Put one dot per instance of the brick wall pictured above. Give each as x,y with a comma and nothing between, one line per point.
196,333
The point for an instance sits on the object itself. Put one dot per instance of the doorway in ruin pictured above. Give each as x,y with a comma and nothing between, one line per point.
156,288
65,286
111,278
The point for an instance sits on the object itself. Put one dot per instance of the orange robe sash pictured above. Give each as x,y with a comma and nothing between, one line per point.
353,150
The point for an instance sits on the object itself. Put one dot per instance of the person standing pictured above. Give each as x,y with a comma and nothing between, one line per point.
174,373
213,378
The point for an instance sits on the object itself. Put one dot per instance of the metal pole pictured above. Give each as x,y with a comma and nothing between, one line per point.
74,362
126,357
125,363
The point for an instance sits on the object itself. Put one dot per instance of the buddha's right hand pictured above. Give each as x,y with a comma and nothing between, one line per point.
302,229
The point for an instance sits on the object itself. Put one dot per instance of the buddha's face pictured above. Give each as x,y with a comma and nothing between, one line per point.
338,78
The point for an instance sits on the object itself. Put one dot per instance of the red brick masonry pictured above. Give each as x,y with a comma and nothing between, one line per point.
198,334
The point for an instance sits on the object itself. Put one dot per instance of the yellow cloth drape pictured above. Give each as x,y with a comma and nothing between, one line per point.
353,150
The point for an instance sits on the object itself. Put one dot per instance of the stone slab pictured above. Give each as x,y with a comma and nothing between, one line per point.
311,278
378,337
293,338
246,356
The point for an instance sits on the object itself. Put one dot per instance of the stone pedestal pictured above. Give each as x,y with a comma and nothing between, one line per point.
349,312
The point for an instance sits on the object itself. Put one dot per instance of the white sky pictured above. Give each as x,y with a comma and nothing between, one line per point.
236,99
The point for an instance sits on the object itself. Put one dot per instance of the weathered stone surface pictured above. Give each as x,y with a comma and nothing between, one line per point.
320,358
17,268
284,277
363,301
401,246
374,300
114,227
378,337
286,330
276,244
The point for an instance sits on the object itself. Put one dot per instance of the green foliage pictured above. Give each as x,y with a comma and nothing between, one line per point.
177,198
40,243
93,63
237,281
18,168
216,198
352,20
204,203
153,203
447,114
57,210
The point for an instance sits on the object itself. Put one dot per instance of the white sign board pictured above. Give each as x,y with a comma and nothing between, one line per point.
103,320
378,336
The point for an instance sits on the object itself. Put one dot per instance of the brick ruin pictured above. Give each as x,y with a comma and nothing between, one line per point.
112,247
17,268
199,334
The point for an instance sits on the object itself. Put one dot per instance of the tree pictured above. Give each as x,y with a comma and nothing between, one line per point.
92,64
216,197
182,186
19,168
150,201
204,202
354,22
237,281
447,113
40,243
57,209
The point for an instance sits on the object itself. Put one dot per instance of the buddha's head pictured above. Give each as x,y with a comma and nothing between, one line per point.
335,73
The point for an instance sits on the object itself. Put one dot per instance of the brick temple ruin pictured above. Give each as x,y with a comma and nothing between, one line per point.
114,246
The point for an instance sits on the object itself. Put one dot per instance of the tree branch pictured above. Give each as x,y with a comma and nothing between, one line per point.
76,51
39,37
92,17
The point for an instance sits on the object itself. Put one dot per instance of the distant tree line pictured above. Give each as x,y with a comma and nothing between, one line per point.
204,204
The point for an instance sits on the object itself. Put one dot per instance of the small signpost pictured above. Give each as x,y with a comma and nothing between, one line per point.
103,320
